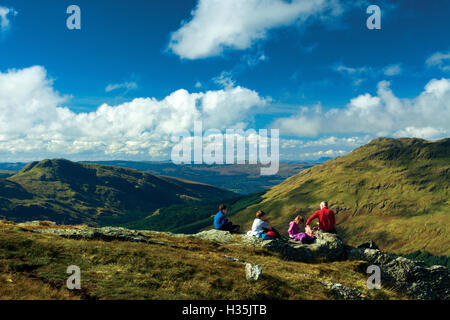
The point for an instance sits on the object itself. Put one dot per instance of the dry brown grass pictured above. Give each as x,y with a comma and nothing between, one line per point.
37,263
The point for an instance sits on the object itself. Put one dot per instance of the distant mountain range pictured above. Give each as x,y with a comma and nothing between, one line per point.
239,178
69,192
242,179
392,191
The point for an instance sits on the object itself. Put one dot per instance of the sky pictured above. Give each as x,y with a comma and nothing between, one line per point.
139,71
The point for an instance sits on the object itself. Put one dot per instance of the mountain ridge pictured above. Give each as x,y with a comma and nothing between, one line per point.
240,178
377,189
66,191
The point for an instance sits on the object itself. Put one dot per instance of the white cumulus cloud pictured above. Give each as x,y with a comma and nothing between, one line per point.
238,24
426,116
34,122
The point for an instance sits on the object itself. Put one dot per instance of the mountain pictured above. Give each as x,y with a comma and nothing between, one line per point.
240,178
69,192
392,191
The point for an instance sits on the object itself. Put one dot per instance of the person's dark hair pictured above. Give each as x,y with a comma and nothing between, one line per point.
260,214
222,207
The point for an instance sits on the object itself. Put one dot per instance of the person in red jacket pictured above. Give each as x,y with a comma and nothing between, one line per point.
326,218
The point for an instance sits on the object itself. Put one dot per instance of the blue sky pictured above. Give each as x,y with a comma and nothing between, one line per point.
310,68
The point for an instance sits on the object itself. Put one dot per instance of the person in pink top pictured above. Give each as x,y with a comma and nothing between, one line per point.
294,226
296,235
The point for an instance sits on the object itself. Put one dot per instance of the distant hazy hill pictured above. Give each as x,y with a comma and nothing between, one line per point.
393,191
6,173
12,166
239,178
68,192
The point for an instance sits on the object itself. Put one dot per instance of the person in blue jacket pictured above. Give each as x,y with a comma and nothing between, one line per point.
221,222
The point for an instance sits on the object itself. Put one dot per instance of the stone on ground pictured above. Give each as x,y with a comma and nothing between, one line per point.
252,271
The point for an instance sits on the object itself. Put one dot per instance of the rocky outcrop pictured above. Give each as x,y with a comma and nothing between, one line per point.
215,235
411,277
343,292
105,234
327,247
369,245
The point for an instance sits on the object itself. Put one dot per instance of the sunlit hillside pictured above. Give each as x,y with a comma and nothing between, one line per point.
392,191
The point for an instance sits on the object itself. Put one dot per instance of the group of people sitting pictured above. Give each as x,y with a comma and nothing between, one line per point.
263,229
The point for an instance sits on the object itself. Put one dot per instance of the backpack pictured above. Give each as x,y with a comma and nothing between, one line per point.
267,237
271,233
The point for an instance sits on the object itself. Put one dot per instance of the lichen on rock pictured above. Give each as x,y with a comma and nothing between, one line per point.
411,277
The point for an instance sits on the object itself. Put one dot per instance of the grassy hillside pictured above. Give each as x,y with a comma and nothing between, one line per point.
393,191
429,258
68,192
33,266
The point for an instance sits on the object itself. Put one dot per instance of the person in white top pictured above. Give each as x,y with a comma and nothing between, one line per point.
261,225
